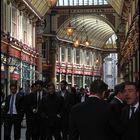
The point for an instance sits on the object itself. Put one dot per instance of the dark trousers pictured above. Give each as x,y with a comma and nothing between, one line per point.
29,123
64,127
53,131
38,132
12,120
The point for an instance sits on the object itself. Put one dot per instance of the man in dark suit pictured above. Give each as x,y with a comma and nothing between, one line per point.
117,103
130,113
35,98
83,96
92,119
69,101
13,112
29,114
50,109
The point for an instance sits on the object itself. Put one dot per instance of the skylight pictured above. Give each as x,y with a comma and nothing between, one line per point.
80,2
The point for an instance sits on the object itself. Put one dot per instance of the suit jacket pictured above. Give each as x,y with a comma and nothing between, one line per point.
33,100
80,97
91,120
131,125
50,107
69,101
19,103
117,106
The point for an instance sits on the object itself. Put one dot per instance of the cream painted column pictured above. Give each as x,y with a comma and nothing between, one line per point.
120,78
130,71
54,22
133,69
83,81
72,77
21,71
73,52
66,60
137,60
72,61
52,59
39,50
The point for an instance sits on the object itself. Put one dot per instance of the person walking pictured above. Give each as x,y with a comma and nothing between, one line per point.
93,118
69,101
35,99
29,114
13,112
50,111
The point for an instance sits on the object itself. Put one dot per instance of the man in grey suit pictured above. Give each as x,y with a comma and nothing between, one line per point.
92,120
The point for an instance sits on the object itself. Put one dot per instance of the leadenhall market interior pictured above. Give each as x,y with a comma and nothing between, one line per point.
76,40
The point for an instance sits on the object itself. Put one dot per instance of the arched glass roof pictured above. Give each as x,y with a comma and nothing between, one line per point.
80,2
97,28
42,6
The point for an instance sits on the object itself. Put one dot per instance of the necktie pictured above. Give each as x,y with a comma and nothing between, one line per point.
11,104
39,98
132,111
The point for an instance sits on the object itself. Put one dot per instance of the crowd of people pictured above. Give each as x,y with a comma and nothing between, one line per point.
73,115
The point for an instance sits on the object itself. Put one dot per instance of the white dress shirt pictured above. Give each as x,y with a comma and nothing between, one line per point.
14,106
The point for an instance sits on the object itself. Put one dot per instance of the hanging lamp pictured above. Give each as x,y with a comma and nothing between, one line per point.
51,3
69,29
87,42
97,61
77,42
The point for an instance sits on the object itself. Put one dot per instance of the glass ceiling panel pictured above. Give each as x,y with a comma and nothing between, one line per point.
97,32
116,4
80,2
41,6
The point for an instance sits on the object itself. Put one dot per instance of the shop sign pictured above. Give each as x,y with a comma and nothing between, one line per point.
15,76
25,57
97,68
62,71
87,73
96,73
78,72
14,52
31,60
69,70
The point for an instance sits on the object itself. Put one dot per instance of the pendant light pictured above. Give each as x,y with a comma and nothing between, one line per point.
87,42
51,3
69,29
77,42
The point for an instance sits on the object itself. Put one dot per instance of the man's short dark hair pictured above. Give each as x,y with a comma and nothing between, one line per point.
13,85
32,85
136,84
98,86
50,84
64,82
119,88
